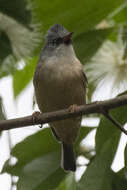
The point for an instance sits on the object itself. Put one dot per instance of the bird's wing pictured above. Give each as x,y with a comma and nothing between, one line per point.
54,133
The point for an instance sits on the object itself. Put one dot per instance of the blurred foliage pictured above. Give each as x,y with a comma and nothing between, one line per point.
38,156
19,34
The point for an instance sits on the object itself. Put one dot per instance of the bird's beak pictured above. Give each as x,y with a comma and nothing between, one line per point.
67,37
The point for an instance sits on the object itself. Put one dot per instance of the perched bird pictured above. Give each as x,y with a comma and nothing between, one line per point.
60,82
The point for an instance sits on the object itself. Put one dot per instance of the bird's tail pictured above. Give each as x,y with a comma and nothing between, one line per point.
68,157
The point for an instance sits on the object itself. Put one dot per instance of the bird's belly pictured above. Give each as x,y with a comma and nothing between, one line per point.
59,93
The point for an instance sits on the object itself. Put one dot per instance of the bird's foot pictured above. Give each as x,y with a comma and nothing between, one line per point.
73,108
35,117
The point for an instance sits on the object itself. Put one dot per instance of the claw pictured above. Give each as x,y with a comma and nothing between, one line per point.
73,108
35,116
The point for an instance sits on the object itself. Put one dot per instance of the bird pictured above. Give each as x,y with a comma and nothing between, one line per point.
60,82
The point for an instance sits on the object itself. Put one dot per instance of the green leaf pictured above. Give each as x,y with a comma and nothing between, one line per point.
106,129
68,183
19,37
17,9
27,150
120,180
21,78
91,89
53,180
78,17
38,171
38,154
8,66
86,44
5,46
98,175
34,146
120,14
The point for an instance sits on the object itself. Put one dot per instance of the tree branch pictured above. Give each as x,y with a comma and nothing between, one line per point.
95,107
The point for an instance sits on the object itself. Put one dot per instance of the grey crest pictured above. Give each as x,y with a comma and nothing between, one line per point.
56,31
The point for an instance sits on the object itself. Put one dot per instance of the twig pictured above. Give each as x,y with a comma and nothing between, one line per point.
64,114
116,123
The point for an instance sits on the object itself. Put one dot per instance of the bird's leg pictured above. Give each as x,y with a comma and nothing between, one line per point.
35,117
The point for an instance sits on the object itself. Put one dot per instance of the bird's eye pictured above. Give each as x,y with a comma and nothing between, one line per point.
57,41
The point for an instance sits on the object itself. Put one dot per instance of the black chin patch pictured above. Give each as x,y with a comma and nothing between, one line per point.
68,41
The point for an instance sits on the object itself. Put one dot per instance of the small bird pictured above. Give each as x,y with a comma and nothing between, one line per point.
60,83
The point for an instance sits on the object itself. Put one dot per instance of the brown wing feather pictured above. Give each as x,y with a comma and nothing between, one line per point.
84,80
